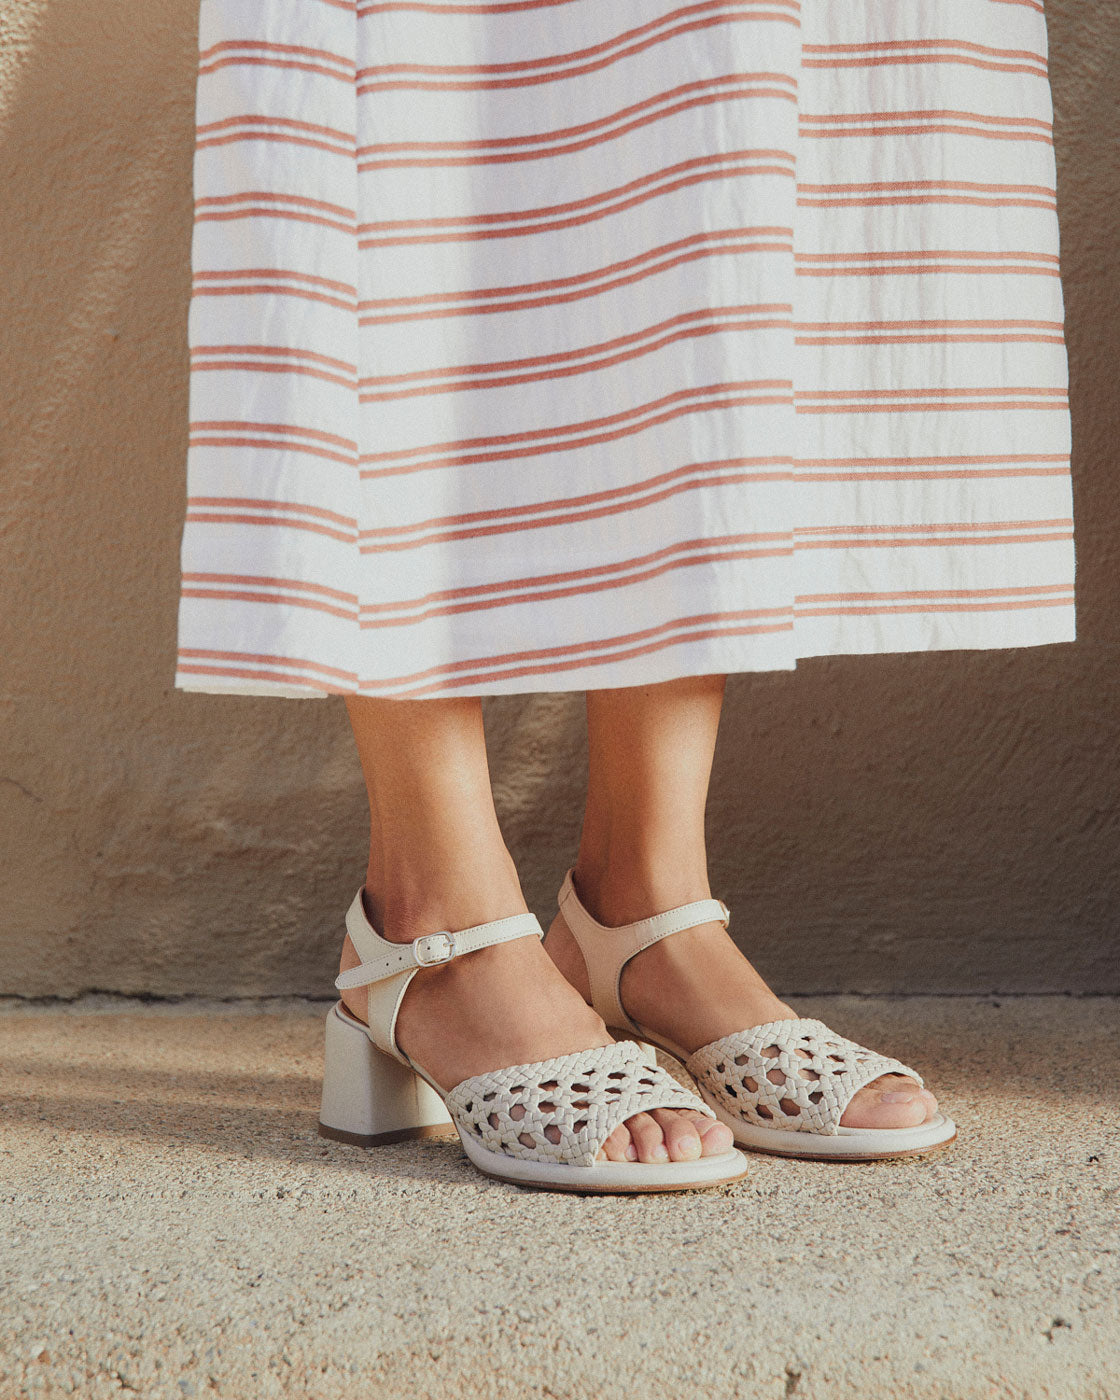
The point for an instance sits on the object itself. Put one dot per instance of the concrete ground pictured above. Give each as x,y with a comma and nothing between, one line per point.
172,1226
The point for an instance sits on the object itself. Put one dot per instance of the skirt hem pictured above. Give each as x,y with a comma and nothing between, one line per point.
611,677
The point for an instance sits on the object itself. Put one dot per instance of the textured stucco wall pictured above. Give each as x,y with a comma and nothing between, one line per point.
918,823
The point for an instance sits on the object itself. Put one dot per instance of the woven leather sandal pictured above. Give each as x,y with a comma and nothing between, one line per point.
781,1087
541,1124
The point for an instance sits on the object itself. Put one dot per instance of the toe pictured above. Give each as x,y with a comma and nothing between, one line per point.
904,1083
716,1137
618,1147
648,1138
681,1136
890,1102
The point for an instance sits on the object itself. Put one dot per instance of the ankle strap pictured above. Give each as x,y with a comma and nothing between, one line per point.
606,950
382,959
388,968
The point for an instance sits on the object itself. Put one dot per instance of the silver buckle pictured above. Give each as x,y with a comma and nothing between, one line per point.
433,949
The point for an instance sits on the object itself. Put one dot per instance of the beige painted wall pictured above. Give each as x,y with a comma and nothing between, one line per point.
918,823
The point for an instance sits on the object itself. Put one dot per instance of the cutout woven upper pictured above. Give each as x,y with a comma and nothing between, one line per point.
795,1075
563,1110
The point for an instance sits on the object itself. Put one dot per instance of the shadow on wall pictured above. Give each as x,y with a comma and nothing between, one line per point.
941,822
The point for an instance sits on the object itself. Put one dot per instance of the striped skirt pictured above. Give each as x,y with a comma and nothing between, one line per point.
566,344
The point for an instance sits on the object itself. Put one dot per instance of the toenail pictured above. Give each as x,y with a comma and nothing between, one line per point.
897,1096
660,1153
631,1152
690,1148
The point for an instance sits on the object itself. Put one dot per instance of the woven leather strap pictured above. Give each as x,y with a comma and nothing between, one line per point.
563,1110
798,1075
606,950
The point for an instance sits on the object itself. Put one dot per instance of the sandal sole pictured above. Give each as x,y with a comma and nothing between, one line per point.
910,1142
576,1190
609,1178
847,1156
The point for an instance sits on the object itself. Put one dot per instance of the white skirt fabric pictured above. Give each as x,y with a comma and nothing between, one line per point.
567,344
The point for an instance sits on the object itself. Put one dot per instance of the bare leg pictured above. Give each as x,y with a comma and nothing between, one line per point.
437,861
642,851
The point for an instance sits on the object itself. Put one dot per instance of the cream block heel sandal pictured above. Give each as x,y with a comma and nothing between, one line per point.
540,1124
781,1087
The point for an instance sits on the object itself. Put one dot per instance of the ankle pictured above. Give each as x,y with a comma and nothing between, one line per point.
623,890
408,902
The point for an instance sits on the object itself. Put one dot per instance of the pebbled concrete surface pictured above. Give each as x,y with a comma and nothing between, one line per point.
172,1227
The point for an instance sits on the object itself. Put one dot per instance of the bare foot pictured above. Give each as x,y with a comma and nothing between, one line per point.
696,987
509,1005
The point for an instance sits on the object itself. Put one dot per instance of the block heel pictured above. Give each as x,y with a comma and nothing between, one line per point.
369,1098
